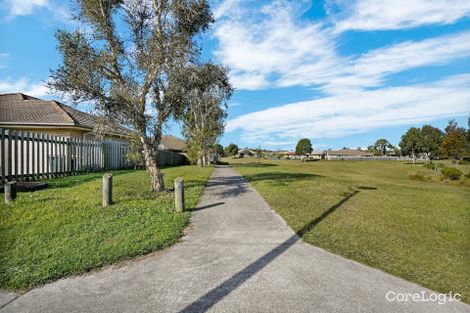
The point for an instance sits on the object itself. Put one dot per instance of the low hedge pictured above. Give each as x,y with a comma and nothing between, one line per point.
451,173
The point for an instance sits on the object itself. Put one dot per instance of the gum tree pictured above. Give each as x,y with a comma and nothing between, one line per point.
431,138
411,142
125,60
453,144
304,146
382,146
207,90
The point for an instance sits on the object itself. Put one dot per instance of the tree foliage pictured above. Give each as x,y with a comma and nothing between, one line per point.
129,63
454,142
304,146
219,149
410,142
207,89
231,149
430,140
381,146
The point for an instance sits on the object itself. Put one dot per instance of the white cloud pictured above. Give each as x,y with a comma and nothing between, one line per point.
275,46
278,143
257,44
56,11
356,112
227,7
24,86
271,47
366,15
413,54
25,7
372,68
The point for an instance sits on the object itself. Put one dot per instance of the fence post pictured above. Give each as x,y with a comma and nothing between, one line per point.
107,189
9,145
2,155
10,191
179,194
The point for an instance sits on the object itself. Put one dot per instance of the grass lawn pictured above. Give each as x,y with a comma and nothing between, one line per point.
374,213
63,230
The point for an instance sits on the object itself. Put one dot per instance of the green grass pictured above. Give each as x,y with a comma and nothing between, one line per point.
375,213
63,230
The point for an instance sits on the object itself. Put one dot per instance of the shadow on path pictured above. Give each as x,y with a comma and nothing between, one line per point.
208,300
207,206
233,186
237,185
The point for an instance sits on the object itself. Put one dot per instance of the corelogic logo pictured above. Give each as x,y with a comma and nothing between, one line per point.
423,296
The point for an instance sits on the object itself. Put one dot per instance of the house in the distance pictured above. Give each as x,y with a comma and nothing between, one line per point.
347,154
172,143
315,155
29,114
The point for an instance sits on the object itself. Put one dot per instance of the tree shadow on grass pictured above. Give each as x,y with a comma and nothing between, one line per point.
253,164
75,180
280,177
212,297
237,185
191,183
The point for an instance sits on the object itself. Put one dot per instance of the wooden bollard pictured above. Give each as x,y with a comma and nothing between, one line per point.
10,191
179,194
107,189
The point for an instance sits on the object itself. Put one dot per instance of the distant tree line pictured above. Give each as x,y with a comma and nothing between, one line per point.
452,143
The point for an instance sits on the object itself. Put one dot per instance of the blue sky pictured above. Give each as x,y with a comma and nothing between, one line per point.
340,72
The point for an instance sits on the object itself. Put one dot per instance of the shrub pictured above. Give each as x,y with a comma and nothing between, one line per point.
433,165
429,165
467,175
465,161
451,173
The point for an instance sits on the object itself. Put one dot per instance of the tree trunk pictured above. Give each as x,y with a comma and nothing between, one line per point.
208,158
413,153
204,159
156,177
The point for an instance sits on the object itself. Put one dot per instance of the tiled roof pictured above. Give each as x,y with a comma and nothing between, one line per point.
173,143
81,118
22,109
18,108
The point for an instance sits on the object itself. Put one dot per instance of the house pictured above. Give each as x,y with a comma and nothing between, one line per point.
315,155
172,143
25,113
347,154
245,152
289,155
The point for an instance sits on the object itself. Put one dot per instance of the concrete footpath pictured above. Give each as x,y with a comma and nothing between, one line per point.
238,256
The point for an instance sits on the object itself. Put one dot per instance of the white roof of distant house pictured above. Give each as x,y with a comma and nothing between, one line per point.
319,152
349,152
